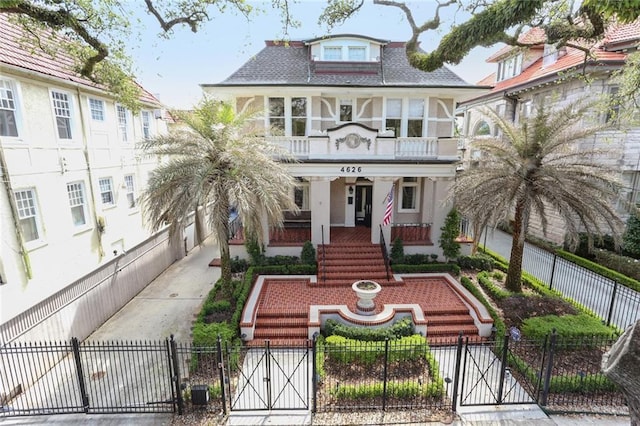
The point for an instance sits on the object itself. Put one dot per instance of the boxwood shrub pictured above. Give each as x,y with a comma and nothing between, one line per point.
346,351
452,268
580,330
477,262
401,328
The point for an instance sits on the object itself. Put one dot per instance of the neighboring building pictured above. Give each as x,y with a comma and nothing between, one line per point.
527,77
70,173
361,121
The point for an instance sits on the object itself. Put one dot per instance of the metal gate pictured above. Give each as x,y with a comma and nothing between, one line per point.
98,377
492,375
269,378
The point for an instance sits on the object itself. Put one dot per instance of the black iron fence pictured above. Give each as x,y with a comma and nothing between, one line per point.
331,374
613,302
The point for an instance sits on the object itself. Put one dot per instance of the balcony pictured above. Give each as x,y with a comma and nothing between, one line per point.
380,148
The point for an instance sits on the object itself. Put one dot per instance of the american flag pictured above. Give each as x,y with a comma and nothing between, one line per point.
386,220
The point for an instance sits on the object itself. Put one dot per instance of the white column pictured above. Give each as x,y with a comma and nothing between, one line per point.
320,204
440,210
381,188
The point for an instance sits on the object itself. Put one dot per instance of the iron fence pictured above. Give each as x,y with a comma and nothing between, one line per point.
613,302
320,376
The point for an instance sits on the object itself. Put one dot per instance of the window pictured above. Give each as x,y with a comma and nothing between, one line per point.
346,110
613,109
482,129
416,116
77,203
97,109
27,214
62,111
276,115
146,124
123,122
409,194
357,53
298,116
131,191
8,120
510,67
106,191
527,108
301,195
332,53
394,115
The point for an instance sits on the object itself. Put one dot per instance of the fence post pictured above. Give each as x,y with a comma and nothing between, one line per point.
176,375
553,271
384,374
547,375
267,378
83,387
613,301
314,372
503,367
456,375
223,396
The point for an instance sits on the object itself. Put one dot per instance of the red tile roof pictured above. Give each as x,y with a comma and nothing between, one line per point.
14,52
623,33
533,36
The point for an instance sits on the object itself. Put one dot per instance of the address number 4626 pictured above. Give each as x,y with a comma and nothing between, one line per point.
350,169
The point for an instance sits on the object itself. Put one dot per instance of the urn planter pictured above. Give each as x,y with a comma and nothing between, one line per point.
366,291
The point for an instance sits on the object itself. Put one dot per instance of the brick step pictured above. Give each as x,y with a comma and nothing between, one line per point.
350,256
357,269
280,321
453,329
451,340
347,245
349,282
444,310
269,333
265,312
449,319
353,276
342,262
282,343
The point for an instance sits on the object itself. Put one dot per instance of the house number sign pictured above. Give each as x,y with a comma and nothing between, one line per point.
350,169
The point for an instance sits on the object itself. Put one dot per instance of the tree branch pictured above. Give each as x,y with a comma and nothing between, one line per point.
192,20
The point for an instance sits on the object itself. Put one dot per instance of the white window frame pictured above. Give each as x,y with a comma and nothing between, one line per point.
304,187
393,117
105,185
510,67
287,117
10,101
359,49
77,199
97,109
122,115
27,208
326,57
419,118
130,185
297,117
277,117
62,107
407,184
145,118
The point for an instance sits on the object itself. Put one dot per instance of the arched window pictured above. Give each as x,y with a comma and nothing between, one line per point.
482,129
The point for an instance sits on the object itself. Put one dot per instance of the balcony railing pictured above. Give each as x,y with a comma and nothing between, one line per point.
411,233
319,147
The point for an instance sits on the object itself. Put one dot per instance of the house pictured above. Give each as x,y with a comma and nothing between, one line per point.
365,128
71,174
527,77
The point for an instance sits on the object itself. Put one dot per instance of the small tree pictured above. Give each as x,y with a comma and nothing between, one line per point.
397,251
450,231
308,254
631,239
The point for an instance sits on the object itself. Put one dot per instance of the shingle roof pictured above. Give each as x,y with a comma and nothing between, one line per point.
14,53
279,64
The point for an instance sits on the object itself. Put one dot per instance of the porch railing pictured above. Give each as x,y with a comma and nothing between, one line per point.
416,147
297,146
323,265
411,232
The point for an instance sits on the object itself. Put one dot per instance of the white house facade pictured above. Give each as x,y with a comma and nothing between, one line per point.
527,77
363,124
71,174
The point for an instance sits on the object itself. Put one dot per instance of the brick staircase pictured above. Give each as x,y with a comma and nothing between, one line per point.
444,325
280,327
345,263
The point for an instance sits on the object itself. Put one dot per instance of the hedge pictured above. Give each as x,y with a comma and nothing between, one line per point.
582,327
427,267
599,269
401,328
347,351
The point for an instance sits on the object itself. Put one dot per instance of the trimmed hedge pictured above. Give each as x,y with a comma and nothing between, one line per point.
581,327
599,269
477,263
346,351
401,328
494,291
452,268
501,328
394,390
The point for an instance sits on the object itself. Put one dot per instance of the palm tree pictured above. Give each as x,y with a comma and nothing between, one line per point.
537,167
217,162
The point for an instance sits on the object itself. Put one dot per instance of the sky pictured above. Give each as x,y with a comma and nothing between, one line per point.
173,68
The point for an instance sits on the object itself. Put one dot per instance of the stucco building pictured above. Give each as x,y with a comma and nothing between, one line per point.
71,174
363,124
527,77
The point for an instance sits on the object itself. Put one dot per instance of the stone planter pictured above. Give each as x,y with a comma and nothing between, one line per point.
366,291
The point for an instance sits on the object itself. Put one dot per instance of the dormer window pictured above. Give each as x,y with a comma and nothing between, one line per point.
550,55
332,53
510,67
357,53
345,50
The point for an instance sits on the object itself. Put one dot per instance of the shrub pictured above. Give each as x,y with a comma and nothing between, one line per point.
568,327
281,260
477,262
239,265
207,334
497,321
397,251
308,254
416,259
496,293
255,251
631,238
400,328
450,232
347,351
608,259
452,268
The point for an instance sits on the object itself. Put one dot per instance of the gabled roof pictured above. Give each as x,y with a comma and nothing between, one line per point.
533,36
569,58
290,64
13,53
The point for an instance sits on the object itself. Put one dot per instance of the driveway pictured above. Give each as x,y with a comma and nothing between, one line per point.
169,304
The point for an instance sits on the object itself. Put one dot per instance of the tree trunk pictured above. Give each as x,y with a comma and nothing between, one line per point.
521,220
620,364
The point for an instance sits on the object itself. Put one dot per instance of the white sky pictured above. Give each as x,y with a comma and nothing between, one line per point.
173,68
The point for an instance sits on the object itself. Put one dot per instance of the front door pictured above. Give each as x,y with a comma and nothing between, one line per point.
364,195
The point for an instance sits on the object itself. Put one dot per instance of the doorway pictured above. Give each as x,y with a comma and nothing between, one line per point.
364,195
